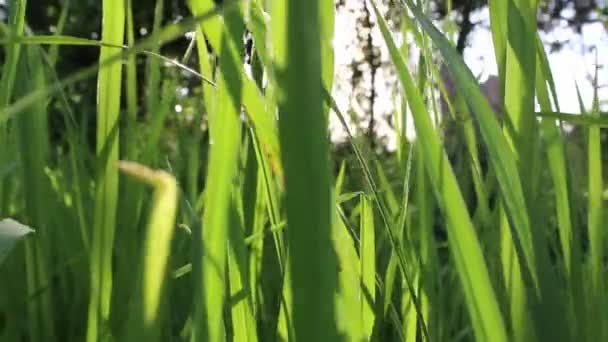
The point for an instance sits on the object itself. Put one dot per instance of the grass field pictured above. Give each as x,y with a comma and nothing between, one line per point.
238,220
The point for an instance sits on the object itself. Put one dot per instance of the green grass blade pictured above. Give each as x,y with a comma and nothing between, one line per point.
304,151
108,107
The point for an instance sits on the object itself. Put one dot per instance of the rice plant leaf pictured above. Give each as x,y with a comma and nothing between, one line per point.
10,232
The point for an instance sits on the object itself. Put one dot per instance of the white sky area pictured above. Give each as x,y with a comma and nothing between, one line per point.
573,64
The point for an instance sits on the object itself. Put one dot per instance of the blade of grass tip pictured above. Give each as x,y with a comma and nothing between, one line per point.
156,250
225,127
297,35
464,244
109,84
502,157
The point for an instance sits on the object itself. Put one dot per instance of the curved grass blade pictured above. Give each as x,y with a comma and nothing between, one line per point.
156,250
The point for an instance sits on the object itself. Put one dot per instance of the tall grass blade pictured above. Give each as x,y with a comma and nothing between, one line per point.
298,61
109,85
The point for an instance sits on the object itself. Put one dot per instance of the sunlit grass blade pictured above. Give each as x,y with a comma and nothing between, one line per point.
108,107
225,127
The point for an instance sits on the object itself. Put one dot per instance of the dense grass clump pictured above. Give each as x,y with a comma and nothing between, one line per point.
224,213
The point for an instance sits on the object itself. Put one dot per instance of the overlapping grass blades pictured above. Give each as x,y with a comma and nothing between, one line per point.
277,249
481,300
225,128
